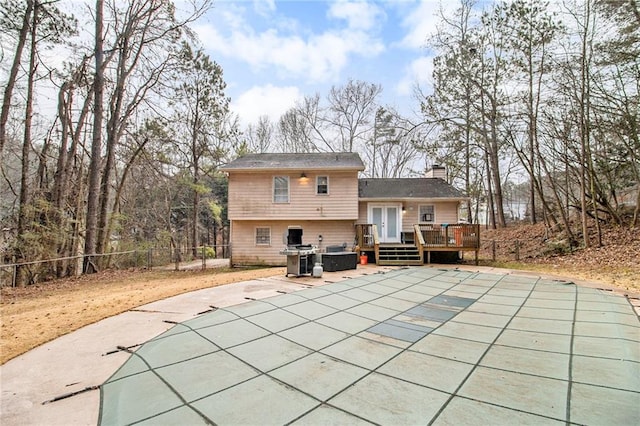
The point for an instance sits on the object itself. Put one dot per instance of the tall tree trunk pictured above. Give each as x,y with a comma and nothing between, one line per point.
56,192
65,172
13,73
93,190
584,125
41,175
491,211
493,161
494,156
114,126
636,211
194,222
588,50
195,158
118,193
583,155
66,153
531,135
102,238
467,150
495,171
75,247
23,215
64,99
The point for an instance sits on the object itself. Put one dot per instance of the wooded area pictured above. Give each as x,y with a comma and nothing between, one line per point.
526,99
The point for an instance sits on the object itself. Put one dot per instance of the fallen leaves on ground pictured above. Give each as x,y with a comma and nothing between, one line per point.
616,262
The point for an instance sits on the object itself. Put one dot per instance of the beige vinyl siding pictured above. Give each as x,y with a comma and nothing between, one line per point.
246,252
362,212
445,212
251,196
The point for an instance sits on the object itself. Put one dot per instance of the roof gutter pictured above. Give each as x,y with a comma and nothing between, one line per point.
392,199
292,169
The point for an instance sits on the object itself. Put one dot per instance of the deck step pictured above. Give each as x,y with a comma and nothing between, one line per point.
384,262
399,255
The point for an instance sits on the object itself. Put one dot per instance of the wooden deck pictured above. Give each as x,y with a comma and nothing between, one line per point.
417,247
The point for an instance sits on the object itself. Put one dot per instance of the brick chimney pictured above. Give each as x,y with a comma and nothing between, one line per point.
437,171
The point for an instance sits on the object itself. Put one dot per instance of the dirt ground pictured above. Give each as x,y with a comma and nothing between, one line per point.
615,263
31,316
34,315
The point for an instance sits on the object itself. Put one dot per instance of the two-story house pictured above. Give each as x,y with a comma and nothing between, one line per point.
396,221
270,193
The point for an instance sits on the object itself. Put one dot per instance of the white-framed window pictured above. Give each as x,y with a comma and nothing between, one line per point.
281,189
322,185
427,213
263,236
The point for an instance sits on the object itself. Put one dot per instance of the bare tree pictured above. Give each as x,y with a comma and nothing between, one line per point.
529,30
392,151
468,101
308,121
93,189
351,108
260,136
10,13
141,55
294,132
343,124
203,108
42,25
451,108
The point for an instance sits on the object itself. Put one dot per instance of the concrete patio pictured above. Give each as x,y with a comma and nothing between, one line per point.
383,346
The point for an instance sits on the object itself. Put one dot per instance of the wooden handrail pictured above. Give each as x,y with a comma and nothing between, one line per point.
366,236
418,237
374,232
376,241
449,235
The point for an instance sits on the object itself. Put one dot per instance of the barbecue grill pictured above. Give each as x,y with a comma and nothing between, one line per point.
300,257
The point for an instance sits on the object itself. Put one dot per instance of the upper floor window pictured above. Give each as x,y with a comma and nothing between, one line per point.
322,185
281,189
263,236
427,214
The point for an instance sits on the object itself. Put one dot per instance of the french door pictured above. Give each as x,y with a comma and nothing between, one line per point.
388,219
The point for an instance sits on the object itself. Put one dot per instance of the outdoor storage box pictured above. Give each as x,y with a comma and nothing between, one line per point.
339,261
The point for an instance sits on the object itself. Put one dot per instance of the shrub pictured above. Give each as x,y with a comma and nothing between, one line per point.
209,252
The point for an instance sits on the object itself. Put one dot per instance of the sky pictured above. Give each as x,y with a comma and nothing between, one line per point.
276,52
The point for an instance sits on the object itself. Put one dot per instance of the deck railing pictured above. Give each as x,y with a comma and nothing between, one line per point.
451,236
418,238
426,235
366,236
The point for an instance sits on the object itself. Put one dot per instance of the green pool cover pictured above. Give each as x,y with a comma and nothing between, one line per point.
411,346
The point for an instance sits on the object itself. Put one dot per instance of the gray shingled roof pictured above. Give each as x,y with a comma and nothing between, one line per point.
407,188
298,161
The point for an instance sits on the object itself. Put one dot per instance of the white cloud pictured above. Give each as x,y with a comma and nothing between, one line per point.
268,100
419,72
318,57
421,23
264,7
359,15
